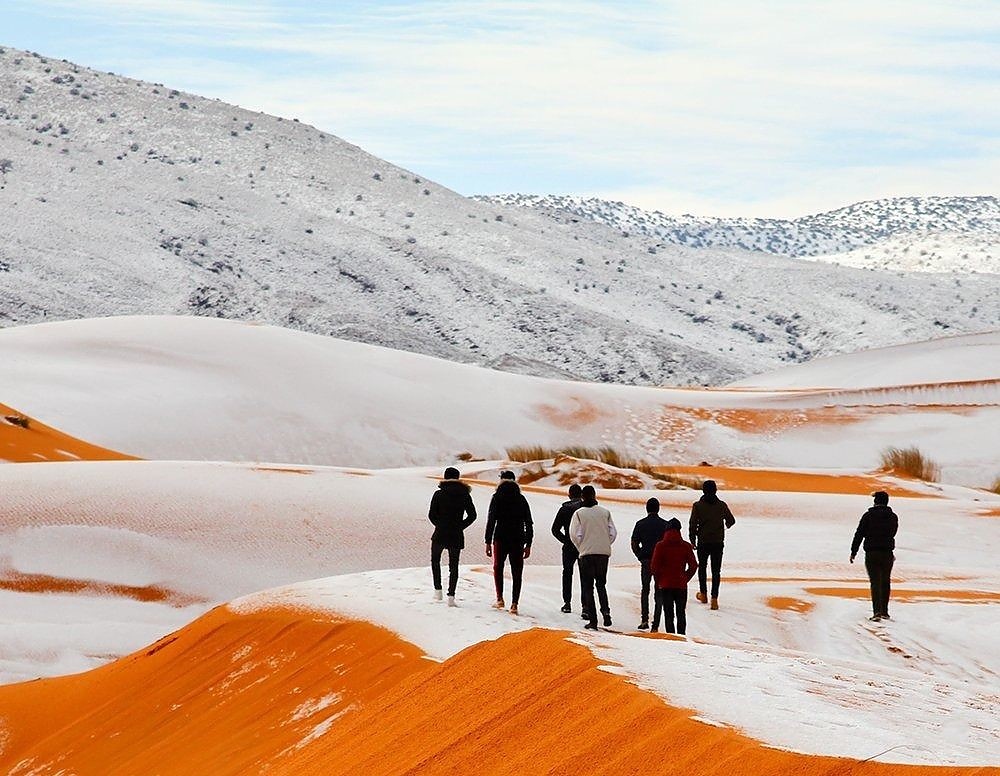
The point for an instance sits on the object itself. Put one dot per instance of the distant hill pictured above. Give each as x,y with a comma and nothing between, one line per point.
125,197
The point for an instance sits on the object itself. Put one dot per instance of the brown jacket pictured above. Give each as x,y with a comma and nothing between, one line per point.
709,521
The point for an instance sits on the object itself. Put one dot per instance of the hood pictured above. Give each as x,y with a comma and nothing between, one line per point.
507,489
672,536
453,486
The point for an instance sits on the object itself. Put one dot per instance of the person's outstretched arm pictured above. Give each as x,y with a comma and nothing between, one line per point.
859,536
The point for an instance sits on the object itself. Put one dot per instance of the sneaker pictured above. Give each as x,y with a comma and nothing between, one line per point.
438,595
654,629
451,601
715,604
499,604
565,609
513,608
885,616
584,616
643,625
590,626
607,621
702,598
875,618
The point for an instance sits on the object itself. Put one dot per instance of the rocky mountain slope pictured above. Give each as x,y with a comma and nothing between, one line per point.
917,234
121,197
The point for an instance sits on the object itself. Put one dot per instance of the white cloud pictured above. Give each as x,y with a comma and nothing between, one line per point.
765,104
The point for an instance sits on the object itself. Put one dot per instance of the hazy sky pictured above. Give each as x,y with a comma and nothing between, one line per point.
741,107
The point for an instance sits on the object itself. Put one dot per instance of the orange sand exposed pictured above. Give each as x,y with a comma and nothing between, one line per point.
785,604
25,440
955,596
43,583
292,693
777,481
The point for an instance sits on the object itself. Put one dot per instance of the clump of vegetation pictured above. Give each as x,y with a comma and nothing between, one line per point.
995,488
606,455
910,462
18,420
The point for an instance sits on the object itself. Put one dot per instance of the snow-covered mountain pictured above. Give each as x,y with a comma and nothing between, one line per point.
124,197
913,234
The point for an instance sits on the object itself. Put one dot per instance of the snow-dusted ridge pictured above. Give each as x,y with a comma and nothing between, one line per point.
126,197
918,234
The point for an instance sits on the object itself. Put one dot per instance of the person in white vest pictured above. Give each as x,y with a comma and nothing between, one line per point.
592,531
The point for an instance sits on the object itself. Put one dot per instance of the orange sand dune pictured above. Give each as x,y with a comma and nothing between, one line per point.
731,478
785,604
38,442
43,583
956,596
293,693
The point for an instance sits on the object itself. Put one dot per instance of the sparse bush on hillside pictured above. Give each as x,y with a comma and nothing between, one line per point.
910,462
606,455
6,165
995,488
18,420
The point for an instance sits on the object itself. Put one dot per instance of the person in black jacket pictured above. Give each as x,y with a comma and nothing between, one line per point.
877,528
710,517
451,512
508,536
645,535
560,530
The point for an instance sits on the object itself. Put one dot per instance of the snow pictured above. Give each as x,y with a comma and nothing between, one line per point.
177,388
219,211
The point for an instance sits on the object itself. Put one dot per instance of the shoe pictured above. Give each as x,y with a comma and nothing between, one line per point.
499,604
451,601
875,618
438,595
565,609
885,616
715,604
702,598
590,626
584,616
513,608
654,629
607,621
643,625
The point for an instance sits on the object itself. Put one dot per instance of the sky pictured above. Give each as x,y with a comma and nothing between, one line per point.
738,107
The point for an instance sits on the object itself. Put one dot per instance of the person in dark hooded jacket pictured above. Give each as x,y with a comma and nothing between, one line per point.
877,528
570,557
509,533
710,517
645,536
451,512
673,564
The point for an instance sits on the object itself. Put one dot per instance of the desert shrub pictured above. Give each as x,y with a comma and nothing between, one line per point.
18,420
606,455
910,462
6,165
995,487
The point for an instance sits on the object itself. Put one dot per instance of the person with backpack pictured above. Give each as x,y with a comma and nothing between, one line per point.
593,532
509,533
647,533
710,517
570,556
451,512
877,528
673,564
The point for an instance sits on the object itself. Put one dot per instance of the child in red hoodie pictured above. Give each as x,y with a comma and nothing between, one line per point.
673,565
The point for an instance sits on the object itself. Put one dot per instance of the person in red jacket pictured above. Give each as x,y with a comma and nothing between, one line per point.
673,565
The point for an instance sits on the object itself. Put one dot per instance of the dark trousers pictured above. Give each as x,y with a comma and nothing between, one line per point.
594,571
709,551
671,598
647,576
570,557
502,552
878,564
453,555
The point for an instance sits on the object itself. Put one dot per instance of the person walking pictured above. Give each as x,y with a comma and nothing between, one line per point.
451,512
570,556
710,517
645,536
593,532
508,536
877,528
673,564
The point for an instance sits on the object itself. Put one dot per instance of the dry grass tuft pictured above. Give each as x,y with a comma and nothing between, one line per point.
995,487
18,420
910,462
606,455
